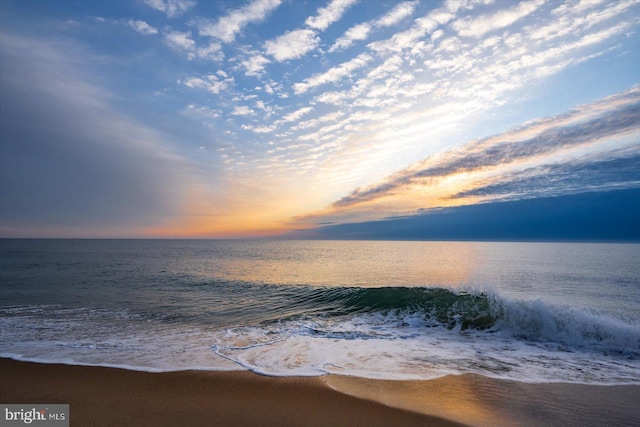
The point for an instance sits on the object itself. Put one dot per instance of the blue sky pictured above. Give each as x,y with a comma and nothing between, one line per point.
251,118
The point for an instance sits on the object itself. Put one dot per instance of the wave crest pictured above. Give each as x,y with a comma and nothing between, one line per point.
462,310
440,306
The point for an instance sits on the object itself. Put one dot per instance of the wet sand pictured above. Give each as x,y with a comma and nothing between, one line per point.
480,401
108,397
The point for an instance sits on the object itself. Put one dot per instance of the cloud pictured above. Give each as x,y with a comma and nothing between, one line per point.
407,39
617,169
432,83
327,118
333,74
470,75
292,45
229,26
201,111
479,26
181,42
296,43
611,117
296,115
355,33
362,31
172,8
329,14
242,110
258,129
142,27
254,64
397,14
213,52
211,83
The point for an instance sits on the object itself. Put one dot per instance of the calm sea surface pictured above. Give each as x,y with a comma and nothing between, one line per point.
404,310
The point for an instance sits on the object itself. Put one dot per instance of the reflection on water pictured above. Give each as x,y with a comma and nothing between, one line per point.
344,263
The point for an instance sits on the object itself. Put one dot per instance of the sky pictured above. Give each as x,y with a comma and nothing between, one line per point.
231,119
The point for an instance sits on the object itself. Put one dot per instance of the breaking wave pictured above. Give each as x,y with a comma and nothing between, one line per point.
388,332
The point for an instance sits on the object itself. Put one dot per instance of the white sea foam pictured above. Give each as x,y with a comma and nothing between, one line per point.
537,321
92,337
406,349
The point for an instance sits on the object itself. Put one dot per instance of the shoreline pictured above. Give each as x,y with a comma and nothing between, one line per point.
101,396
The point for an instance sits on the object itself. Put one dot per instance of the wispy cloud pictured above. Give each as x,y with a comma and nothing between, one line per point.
329,14
426,24
181,42
242,110
479,26
426,83
296,115
334,74
227,27
612,117
431,62
356,33
202,112
213,52
615,169
292,44
254,64
142,27
184,43
212,83
297,43
172,8
362,31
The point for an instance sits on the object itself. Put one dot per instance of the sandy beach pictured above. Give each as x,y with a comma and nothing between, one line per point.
115,397
107,396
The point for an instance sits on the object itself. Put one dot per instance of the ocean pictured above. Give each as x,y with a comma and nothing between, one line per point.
532,312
